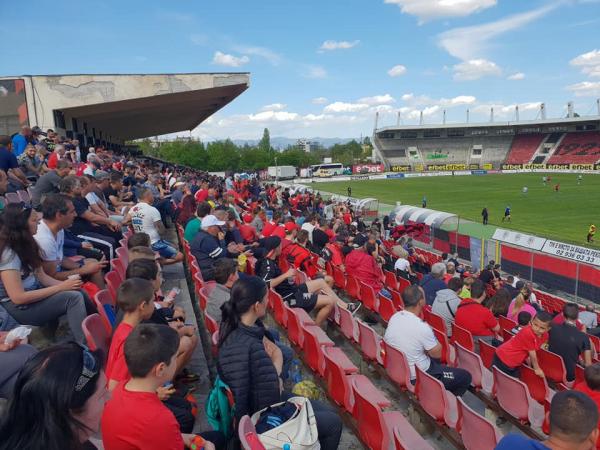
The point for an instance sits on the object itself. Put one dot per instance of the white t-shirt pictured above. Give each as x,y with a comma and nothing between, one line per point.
51,246
413,337
92,198
143,217
308,227
402,264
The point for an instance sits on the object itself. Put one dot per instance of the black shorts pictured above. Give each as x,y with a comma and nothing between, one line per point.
303,299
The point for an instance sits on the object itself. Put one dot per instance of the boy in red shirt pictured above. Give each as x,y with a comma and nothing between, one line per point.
476,318
134,418
591,387
135,297
510,355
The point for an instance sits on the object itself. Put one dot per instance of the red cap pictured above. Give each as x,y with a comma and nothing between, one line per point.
291,226
247,218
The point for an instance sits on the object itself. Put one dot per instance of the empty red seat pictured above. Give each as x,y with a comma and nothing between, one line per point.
123,254
481,377
348,325
463,337
390,281
435,399
370,342
436,321
538,386
368,296
352,286
314,341
506,335
202,297
477,432
113,280
448,352
397,367
553,367
407,438
403,283
296,319
104,305
278,310
211,324
397,300
506,323
118,266
339,278
514,398
386,308
374,426
95,334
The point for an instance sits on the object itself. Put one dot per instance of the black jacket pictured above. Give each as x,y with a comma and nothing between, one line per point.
244,365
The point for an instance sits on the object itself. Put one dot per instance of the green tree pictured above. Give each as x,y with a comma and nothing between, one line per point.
222,155
265,142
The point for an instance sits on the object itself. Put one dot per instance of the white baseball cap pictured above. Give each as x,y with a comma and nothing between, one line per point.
210,221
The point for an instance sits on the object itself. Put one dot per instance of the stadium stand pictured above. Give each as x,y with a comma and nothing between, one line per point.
578,148
524,147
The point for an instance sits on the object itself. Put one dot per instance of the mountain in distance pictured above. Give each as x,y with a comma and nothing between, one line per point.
282,143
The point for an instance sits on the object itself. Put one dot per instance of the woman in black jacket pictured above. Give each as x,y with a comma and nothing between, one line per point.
249,365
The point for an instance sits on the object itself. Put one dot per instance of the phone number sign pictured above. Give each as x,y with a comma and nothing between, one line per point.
574,252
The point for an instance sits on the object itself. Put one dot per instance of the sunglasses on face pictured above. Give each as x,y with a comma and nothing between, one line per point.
176,319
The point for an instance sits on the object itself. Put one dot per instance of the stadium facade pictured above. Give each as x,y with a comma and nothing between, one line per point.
111,109
569,143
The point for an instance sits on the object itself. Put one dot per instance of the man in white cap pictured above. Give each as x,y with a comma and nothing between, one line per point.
145,218
209,245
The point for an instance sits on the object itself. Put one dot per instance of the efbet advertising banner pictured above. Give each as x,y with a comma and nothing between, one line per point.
550,166
401,168
451,167
359,169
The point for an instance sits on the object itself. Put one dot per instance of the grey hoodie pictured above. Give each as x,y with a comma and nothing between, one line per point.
443,299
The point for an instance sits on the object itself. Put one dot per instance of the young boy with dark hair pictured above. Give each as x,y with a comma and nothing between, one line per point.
138,240
510,355
523,319
135,297
135,418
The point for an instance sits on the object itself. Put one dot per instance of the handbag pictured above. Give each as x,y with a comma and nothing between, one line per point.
299,431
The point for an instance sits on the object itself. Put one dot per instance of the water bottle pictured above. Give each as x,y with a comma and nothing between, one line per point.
286,447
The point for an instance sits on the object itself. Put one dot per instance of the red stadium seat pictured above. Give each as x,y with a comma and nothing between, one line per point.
386,308
407,438
553,367
397,367
296,319
436,321
397,299
487,352
370,342
95,334
390,280
314,341
211,324
481,378
513,397
112,283
348,325
403,283
448,353
118,266
506,335
439,403
463,337
103,302
374,426
123,255
278,309
579,374
538,387
506,323
368,297
352,286
339,278
477,432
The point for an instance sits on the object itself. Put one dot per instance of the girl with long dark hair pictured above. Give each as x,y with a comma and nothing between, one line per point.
57,401
245,365
29,295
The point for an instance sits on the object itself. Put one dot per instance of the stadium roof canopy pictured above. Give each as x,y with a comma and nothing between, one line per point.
122,107
406,214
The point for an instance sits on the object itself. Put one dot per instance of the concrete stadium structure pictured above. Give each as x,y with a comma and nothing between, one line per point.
492,145
111,109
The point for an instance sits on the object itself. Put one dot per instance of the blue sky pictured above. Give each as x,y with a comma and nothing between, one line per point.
323,68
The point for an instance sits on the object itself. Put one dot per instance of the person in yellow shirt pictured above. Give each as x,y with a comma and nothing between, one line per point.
591,233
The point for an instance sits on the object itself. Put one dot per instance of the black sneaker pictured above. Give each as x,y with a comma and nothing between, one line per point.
353,307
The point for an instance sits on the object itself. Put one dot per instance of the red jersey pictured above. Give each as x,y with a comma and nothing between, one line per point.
248,232
268,228
594,395
475,318
116,367
302,259
347,218
201,195
52,160
514,352
363,267
139,420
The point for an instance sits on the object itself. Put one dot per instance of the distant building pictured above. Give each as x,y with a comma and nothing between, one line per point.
308,146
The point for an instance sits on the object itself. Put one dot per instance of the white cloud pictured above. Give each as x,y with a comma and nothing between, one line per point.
223,59
274,107
424,100
516,76
315,72
397,70
279,116
471,42
337,45
474,69
408,97
427,10
589,63
502,111
585,88
272,57
319,101
343,107
384,99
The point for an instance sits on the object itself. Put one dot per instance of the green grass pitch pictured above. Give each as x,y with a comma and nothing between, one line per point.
564,215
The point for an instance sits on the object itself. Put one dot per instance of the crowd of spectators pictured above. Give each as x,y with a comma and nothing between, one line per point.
55,251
